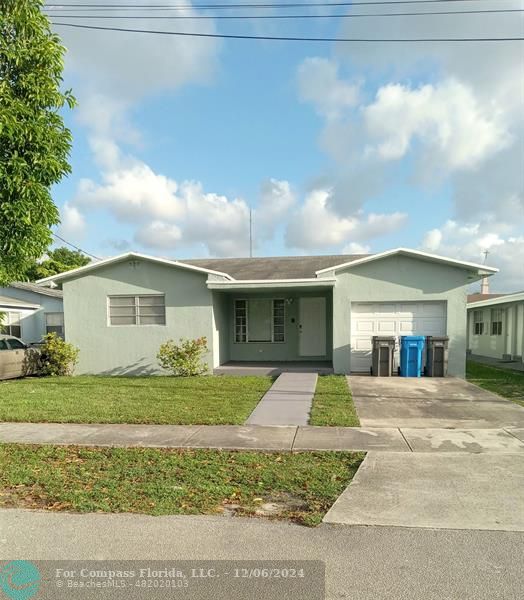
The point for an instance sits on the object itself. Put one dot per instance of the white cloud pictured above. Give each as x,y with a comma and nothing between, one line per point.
319,84
356,248
72,222
316,226
471,241
276,201
446,119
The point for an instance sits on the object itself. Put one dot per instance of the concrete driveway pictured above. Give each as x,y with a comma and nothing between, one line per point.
431,402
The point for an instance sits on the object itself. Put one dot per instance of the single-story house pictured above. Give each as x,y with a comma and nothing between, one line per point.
31,311
307,308
496,326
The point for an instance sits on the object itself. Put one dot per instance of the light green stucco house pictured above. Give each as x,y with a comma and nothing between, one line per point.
321,309
496,326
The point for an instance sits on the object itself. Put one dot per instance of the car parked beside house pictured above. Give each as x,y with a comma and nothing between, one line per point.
302,309
31,311
16,358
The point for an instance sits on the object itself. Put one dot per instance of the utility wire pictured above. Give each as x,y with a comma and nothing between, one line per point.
335,16
75,247
251,5
286,38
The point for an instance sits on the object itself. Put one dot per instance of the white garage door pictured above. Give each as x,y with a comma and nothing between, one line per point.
387,318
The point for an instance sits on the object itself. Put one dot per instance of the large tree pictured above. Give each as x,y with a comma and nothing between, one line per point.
57,261
34,142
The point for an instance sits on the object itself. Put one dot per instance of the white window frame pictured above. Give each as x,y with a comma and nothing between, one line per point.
137,311
62,324
479,322
499,321
8,322
248,341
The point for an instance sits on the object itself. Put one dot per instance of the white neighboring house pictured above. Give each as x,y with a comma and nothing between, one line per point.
496,326
31,311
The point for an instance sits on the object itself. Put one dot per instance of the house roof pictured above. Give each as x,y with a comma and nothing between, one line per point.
477,297
500,299
37,289
7,301
419,254
275,267
131,256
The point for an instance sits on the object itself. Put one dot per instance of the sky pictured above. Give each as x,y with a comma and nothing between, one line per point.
335,147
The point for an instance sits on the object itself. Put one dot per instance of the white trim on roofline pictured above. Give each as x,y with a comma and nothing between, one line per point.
270,283
6,301
131,255
506,299
481,269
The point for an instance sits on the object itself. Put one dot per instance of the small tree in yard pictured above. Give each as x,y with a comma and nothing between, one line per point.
58,357
184,359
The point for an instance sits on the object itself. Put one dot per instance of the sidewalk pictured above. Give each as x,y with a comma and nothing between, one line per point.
257,437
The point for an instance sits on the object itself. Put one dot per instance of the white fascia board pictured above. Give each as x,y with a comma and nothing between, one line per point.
507,299
14,304
128,256
481,269
270,283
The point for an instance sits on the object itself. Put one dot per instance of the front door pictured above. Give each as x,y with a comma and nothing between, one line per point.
312,327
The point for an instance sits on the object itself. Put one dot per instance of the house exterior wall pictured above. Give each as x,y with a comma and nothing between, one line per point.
400,279
33,323
279,351
131,349
222,328
511,342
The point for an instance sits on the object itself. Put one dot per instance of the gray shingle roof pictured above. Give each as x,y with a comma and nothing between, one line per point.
37,289
279,267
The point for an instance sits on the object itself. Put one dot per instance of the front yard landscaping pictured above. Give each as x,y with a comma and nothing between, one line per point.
504,382
333,404
203,400
299,487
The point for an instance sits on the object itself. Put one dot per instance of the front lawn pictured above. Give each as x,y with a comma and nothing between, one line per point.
206,400
504,382
299,487
333,404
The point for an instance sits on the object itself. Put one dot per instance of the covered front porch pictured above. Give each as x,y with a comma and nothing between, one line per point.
273,369
273,328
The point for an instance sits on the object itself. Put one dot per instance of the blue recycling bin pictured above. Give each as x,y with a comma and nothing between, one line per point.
411,347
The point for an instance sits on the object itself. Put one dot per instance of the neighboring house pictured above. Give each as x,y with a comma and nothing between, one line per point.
31,311
496,326
309,308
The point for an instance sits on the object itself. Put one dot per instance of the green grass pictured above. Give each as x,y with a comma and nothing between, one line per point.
504,382
333,404
206,400
166,481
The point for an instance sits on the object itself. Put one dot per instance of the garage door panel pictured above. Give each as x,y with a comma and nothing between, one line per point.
396,319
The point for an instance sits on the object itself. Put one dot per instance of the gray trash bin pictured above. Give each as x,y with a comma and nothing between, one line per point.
382,356
437,356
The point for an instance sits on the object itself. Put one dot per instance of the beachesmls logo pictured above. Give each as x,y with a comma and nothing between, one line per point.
19,579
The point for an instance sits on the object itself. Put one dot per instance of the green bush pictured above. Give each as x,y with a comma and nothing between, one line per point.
183,359
57,356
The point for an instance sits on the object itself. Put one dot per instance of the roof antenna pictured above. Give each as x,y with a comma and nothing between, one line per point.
250,233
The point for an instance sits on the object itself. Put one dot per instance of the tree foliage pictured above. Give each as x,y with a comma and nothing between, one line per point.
58,261
34,142
57,357
184,359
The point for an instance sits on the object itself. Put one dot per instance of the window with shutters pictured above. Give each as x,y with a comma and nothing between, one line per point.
496,321
137,310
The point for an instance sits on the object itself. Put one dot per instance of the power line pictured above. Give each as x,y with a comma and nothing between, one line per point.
75,247
250,5
298,16
285,38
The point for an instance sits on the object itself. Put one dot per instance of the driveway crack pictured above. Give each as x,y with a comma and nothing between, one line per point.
405,439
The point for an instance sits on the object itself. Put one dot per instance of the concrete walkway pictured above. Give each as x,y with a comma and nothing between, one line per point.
512,365
288,401
256,437
447,491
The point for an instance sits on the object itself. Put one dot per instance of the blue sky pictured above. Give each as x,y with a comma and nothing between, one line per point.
336,147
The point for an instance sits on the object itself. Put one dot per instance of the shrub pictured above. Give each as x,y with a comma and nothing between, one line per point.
58,357
183,359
